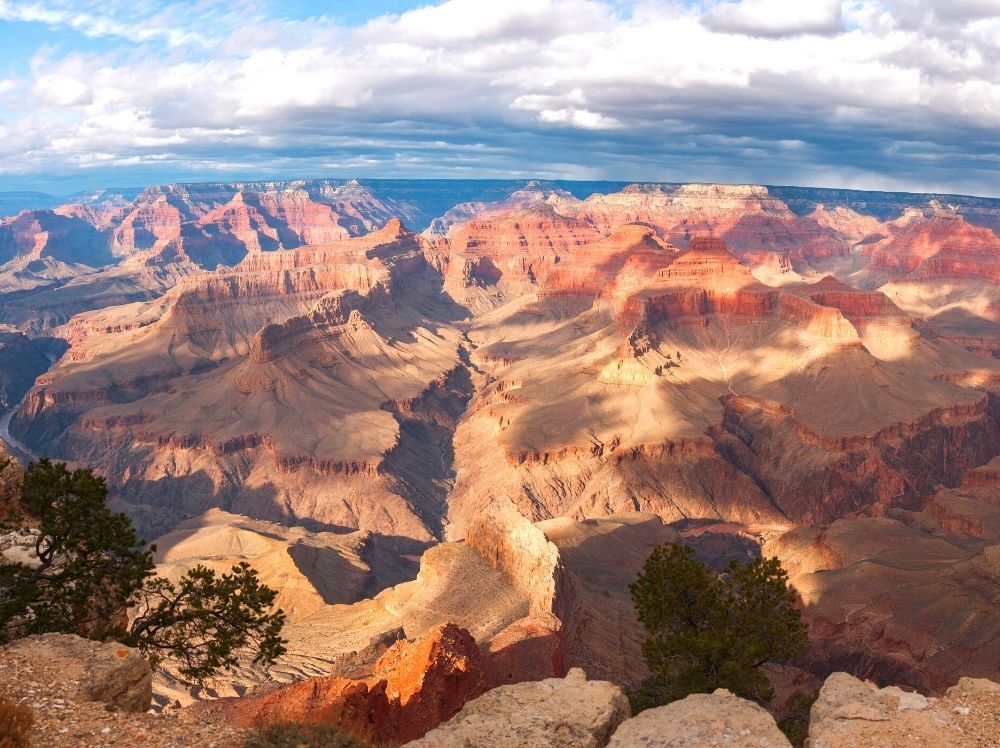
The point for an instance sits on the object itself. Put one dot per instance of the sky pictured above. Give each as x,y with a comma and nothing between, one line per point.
865,94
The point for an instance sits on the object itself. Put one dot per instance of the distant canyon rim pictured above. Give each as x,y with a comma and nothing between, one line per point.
484,402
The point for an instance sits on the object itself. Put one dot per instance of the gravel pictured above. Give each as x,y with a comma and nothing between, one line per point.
62,721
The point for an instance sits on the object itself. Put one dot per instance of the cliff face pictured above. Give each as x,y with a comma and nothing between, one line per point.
814,368
904,598
41,234
303,343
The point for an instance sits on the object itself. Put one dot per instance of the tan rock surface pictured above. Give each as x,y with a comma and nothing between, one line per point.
310,570
353,597
717,719
562,713
895,602
852,713
107,672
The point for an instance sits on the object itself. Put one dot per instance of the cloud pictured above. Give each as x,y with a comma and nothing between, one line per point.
883,93
776,18
62,91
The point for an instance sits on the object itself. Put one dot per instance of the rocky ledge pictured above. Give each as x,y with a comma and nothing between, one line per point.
85,693
573,711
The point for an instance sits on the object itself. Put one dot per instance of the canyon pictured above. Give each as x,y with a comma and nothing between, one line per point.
415,405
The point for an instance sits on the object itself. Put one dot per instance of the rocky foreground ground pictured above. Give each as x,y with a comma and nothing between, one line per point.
89,694
85,694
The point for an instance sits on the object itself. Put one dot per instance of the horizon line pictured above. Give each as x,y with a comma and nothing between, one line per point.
138,189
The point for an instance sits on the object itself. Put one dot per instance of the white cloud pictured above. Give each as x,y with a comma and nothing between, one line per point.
776,17
475,21
527,85
178,23
62,91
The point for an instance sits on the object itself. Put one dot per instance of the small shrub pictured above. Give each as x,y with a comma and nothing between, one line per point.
15,723
301,735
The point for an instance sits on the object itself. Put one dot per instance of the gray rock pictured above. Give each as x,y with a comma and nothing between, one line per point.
94,671
569,712
717,719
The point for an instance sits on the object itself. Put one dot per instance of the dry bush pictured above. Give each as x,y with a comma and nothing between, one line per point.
15,723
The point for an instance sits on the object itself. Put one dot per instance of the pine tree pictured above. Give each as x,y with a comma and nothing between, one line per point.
93,577
90,563
708,631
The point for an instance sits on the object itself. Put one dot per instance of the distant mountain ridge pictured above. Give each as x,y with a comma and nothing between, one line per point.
435,196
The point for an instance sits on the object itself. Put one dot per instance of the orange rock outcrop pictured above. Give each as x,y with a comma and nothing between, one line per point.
416,685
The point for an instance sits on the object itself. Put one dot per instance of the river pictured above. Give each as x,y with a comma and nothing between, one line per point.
17,448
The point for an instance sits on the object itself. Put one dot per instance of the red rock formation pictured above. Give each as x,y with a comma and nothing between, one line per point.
972,508
416,685
221,223
511,252
306,363
858,306
751,221
154,220
944,246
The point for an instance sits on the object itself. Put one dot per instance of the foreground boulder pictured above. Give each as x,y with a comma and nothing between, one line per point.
851,713
430,679
90,671
569,712
416,685
701,720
